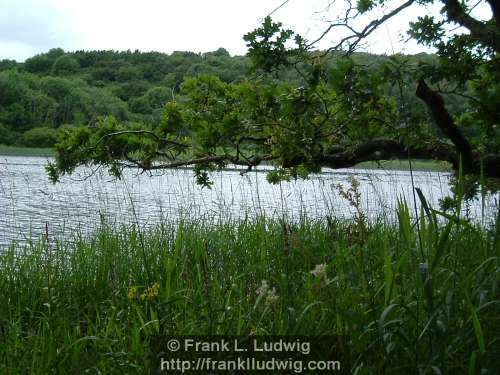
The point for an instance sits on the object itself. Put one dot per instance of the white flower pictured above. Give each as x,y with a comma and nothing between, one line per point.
265,292
272,297
263,288
319,270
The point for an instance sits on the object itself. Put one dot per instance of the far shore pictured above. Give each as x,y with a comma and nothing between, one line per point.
25,151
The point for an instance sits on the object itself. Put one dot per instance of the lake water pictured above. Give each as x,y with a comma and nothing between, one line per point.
30,204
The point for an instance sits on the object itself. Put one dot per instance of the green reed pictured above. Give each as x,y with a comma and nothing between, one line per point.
90,306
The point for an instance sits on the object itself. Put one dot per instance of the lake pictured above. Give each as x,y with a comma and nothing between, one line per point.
30,203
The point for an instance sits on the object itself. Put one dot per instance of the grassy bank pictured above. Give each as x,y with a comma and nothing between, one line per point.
25,151
93,306
403,165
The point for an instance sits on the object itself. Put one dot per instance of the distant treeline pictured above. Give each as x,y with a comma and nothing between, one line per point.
58,89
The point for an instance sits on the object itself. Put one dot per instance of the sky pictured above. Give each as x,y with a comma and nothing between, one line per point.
29,27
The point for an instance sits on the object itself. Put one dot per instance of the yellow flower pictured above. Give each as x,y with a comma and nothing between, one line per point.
151,292
132,292
154,289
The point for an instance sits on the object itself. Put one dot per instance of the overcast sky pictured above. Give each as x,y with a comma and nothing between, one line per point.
28,27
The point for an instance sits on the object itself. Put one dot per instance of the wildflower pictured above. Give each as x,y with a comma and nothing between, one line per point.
319,271
271,297
155,289
263,288
132,292
151,292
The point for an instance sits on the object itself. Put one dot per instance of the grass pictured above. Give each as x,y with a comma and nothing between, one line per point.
402,305
402,165
25,151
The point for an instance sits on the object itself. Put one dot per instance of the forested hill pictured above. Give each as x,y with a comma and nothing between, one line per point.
57,89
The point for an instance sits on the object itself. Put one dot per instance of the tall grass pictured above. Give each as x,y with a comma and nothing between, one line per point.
404,304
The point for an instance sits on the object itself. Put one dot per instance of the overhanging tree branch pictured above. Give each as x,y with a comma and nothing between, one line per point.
141,132
386,149
487,35
445,122
252,162
357,36
495,8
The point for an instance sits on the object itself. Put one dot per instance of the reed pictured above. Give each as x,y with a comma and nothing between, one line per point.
404,303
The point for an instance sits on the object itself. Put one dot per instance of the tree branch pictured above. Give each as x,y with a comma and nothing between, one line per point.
336,158
386,149
140,132
445,122
495,9
256,160
358,36
483,33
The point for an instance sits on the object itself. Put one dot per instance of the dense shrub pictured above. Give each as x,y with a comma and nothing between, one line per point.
7,136
40,137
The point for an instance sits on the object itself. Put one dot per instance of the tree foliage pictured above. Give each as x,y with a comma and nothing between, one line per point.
40,137
58,87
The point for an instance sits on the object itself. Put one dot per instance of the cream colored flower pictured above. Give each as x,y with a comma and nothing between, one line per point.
271,297
319,270
263,288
